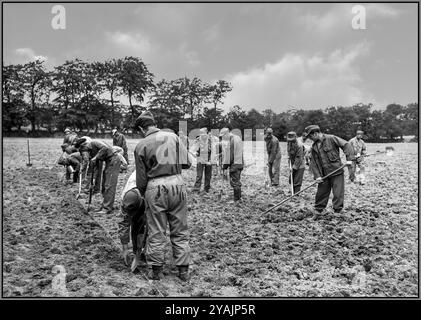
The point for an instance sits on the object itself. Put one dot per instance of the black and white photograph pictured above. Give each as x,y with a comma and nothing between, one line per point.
210,151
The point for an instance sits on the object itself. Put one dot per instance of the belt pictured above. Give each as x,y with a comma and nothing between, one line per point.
172,179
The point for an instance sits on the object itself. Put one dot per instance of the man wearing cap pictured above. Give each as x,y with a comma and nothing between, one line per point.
159,159
295,151
206,156
69,137
325,159
132,222
359,147
233,159
100,152
274,156
119,140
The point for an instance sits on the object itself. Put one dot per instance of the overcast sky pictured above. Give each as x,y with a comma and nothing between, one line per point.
275,55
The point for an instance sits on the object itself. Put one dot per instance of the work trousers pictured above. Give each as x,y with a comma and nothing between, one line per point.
352,172
166,204
235,181
297,177
109,182
336,184
274,169
207,168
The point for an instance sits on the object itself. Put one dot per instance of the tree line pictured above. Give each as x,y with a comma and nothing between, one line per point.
86,96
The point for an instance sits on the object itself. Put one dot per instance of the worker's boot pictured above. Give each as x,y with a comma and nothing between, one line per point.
183,273
157,273
237,194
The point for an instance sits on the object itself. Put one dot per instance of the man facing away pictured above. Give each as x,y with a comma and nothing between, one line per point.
274,156
359,147
159,159
325,159
233,159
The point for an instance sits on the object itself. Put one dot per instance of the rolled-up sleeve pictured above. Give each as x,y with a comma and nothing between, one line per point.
346,148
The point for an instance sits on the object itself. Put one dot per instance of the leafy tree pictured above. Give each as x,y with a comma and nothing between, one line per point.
108,78
135,81
36,83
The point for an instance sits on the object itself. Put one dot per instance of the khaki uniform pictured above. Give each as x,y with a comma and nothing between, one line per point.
159,159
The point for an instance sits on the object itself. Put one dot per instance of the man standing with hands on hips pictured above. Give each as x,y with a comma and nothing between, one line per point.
325,159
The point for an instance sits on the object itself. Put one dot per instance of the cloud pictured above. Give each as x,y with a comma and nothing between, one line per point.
189,56
302,81
131,43
24,55
212,33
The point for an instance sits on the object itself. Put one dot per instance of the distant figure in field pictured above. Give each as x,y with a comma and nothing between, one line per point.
274,156
295,151
358,145
119,140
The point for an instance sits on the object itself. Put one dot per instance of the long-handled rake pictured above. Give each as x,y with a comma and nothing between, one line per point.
29,164
388,151
302,190
291,177
266,176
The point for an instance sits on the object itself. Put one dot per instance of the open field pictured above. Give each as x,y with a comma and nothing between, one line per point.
370,250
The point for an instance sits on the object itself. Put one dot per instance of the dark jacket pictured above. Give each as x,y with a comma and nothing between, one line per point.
159,154
272,148
327,158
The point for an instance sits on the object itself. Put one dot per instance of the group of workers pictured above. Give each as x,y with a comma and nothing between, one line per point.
155,195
